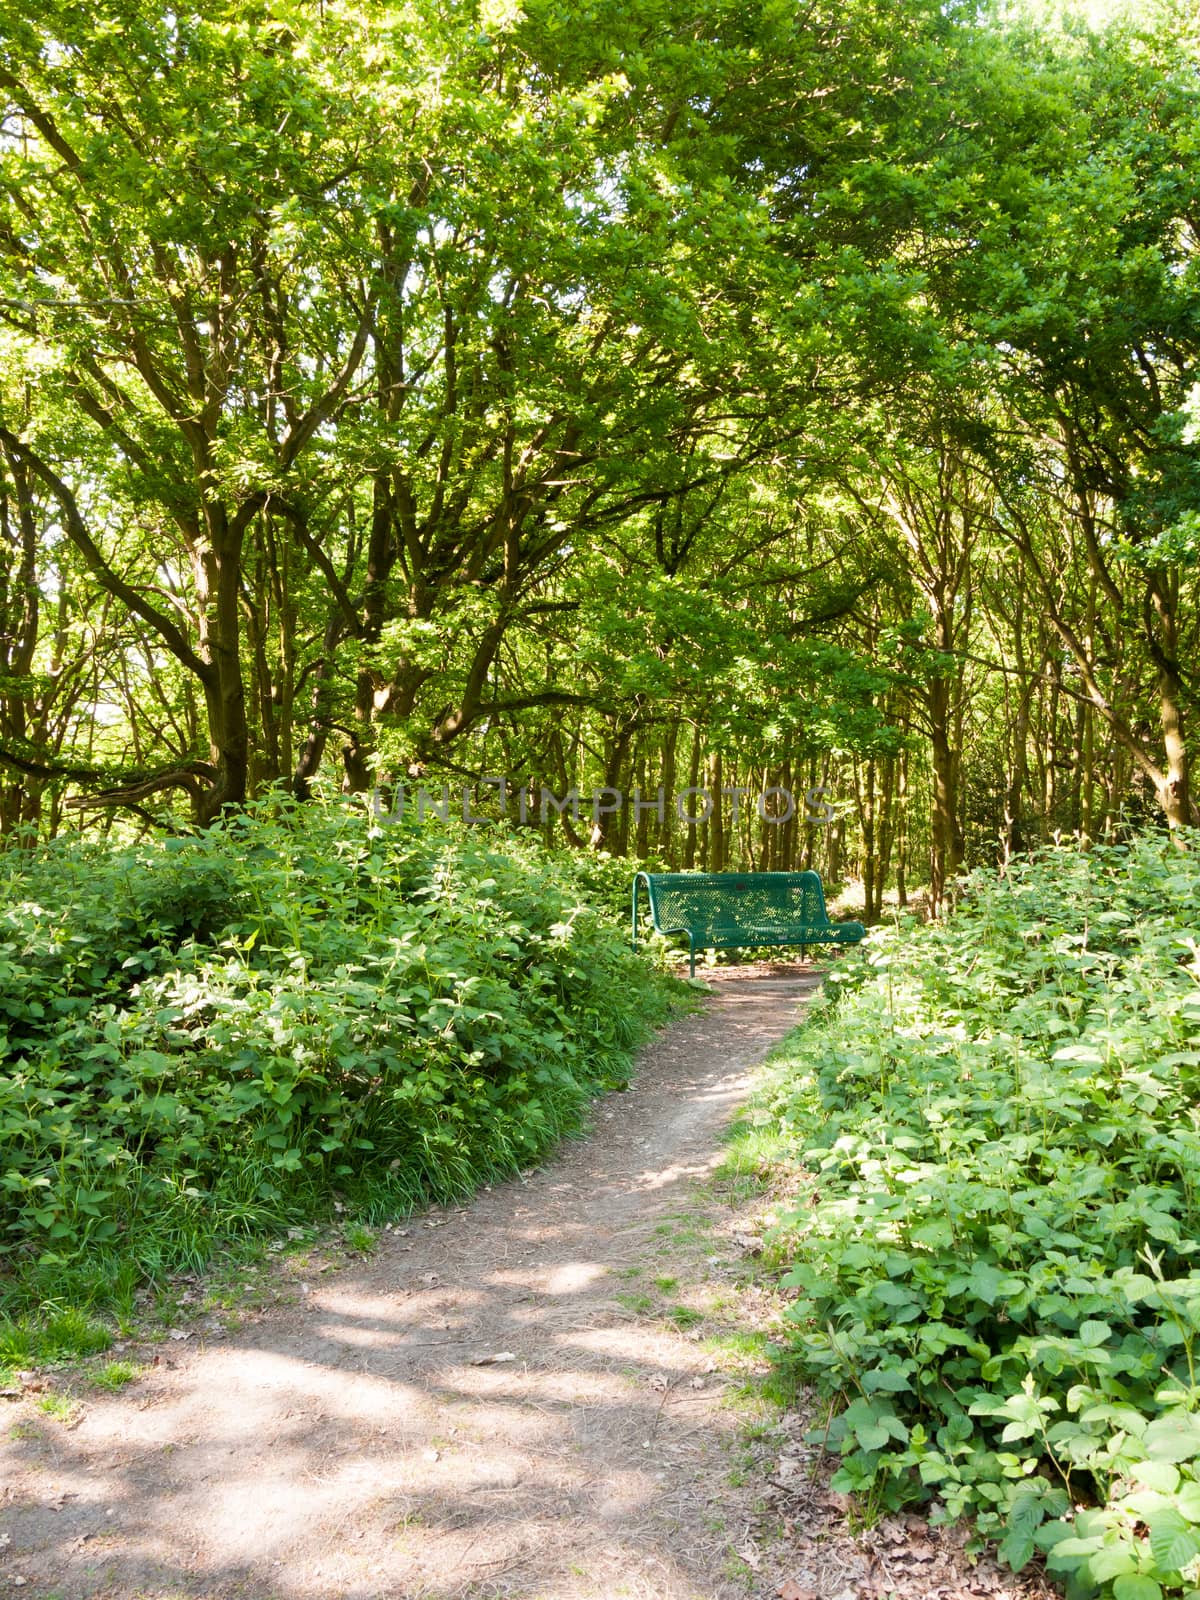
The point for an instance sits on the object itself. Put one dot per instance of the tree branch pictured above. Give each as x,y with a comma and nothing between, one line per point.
172,636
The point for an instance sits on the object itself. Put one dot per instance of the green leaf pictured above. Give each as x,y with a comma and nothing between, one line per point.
1016,1548
1172,1438
889,1380
1172,1540
1111,1562
1136,1587
1095,1333
1159,1475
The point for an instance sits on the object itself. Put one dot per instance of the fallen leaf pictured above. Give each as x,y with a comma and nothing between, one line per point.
796,1591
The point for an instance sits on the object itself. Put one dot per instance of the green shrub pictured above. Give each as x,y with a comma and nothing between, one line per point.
206,1037
606,881
996,1280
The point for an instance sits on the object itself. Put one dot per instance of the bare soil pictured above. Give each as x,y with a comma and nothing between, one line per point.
529,1396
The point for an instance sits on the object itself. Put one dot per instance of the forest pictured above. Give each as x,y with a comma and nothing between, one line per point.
455,455
795,397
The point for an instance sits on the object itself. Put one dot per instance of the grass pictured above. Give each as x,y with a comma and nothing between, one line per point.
756,1156
59,1407
739,1344
362,1240
114,1375
640,1304
57,1336
240,1282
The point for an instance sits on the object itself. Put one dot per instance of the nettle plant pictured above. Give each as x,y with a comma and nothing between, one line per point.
996,1282
216,1035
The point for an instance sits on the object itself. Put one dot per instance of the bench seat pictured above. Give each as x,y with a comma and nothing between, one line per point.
736,910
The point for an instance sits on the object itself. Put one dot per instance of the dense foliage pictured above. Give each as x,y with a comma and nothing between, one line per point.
794,396
656,399
995,1274
205,1038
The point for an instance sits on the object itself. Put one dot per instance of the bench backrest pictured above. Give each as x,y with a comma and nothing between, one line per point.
734,899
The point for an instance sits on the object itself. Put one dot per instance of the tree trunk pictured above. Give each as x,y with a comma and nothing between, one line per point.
717,855
946,845
1173,785
689,833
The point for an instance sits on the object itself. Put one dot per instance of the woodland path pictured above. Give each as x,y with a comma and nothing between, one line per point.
365,1441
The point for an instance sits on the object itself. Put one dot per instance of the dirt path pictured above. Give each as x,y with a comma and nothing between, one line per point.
484,1408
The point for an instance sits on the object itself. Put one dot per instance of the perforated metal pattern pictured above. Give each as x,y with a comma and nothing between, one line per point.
727,910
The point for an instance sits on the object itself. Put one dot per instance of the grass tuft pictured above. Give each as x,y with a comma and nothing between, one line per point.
115,1375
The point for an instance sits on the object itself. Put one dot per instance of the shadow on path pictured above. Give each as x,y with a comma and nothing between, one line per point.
483,1409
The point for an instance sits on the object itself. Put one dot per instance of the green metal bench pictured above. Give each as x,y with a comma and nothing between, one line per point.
735,910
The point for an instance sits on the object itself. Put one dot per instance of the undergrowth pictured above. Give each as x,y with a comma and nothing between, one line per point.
994,1272
208,1038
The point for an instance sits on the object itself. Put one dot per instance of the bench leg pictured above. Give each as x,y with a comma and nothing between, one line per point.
691,956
